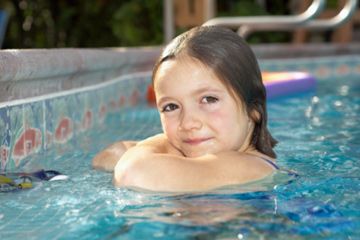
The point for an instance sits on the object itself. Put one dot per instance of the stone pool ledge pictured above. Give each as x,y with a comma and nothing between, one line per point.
33,72
50,98
26,73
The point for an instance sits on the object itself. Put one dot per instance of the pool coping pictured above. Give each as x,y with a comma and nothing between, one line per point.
89,92
44,71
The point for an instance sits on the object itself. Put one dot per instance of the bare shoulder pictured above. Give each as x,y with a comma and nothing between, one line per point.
146,159
138,165
141,167
243,167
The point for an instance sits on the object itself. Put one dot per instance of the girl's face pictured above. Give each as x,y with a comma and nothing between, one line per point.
198,113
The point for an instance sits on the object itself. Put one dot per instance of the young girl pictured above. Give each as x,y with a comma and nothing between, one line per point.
212,105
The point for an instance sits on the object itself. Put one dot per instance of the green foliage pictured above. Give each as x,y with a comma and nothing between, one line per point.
91,23
110,23
240,8
252,8
138,23
332,4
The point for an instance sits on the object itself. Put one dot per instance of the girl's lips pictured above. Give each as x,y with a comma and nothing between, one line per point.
196,141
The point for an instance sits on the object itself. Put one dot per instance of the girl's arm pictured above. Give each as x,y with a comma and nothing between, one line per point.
147,166
107,159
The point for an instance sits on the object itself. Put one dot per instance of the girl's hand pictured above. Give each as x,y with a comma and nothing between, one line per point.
108,158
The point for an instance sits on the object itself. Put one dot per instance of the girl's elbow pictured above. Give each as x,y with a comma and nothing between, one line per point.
118,179
125,176
98,163
104,161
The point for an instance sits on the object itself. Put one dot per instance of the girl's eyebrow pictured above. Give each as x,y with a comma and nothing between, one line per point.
195,93
163,99
207,89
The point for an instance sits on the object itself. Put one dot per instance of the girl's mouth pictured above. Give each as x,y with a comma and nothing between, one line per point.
195,141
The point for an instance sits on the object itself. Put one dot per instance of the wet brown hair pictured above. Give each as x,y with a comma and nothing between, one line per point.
233,61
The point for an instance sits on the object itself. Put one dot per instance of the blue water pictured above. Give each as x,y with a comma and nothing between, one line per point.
319,137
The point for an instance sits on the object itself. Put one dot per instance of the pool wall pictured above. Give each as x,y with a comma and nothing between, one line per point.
48,98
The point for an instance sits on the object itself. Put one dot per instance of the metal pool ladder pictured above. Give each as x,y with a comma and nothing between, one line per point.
246,25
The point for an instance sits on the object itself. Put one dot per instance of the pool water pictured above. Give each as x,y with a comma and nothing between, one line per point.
319,137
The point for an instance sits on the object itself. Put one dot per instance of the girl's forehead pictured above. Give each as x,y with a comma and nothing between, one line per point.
185,65
186,70
185,60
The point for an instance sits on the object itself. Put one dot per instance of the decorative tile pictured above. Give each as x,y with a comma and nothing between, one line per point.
322,72
97,104
60,125
99,107
33,136
49,126
5,138
143,85
357,69
17,141
88,104
61,121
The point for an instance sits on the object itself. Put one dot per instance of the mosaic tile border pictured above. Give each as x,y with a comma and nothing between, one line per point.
320,67
35,125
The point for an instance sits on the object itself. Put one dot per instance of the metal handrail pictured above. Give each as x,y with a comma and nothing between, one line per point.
246,25
267,22
345,14
168,23
168,14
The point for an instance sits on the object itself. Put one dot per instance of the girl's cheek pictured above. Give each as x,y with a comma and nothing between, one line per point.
169,125
222,120
217,112
218,115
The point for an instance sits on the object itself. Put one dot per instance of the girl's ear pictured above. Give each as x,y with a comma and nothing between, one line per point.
255,116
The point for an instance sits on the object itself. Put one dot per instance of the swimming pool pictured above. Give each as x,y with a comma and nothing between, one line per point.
319,138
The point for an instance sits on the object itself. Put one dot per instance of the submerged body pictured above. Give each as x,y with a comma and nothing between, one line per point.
213,120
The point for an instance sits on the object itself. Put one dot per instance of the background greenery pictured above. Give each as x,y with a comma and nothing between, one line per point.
110,23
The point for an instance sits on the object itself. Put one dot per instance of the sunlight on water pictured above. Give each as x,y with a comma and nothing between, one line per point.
319,138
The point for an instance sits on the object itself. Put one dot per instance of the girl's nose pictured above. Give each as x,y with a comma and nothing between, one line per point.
190,121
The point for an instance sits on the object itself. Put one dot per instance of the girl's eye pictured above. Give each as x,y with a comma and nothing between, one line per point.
169,107
209,99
